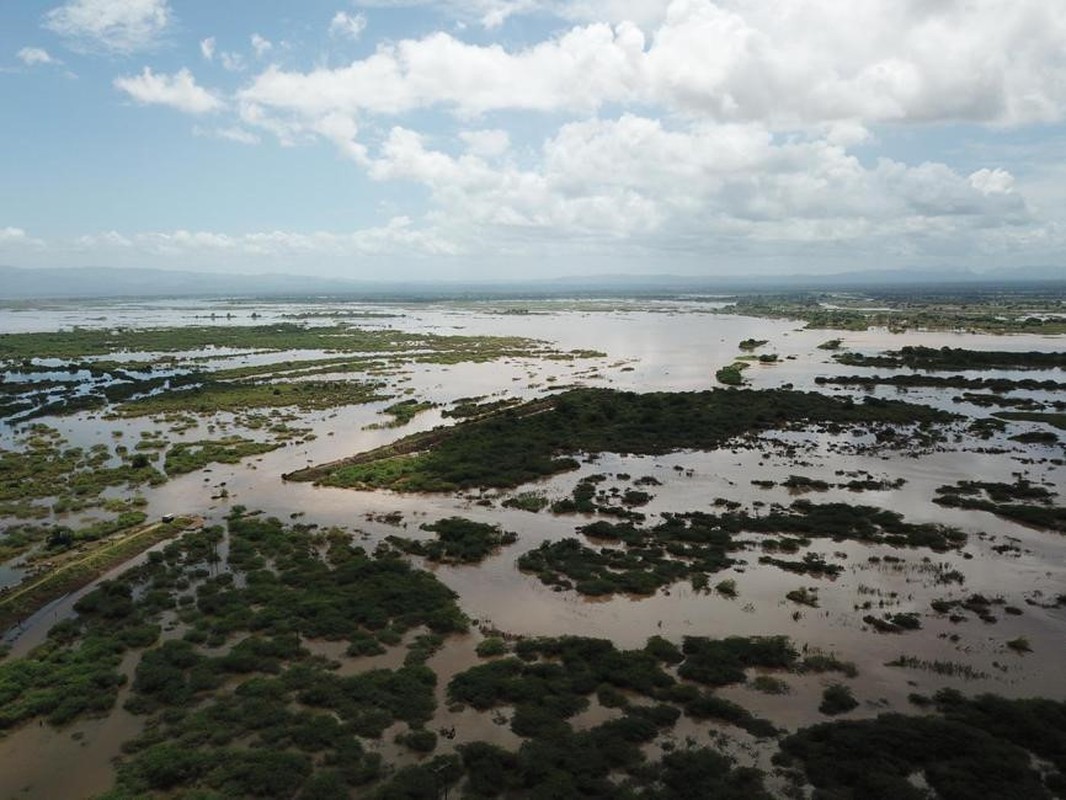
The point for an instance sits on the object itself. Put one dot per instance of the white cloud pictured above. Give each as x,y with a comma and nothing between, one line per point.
9,234
179,91
260,45
486,143
633,179
207,48
578,71
17,240
105,239
32,56
815,63
350,26
992,181
116,26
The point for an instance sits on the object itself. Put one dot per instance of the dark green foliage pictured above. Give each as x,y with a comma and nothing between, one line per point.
422,782
459,541
954,359
732,375
811,564
346,598
420,741
493,646
977,750
291,727
552,678
61,683
708,706
1036,437
490,770
801,483
718,662
530,441
466,407
1037,507
942,382
837,699
527,501
1036,724
704,773
695,544
190,456
1055,420
664,650
569,564
403,412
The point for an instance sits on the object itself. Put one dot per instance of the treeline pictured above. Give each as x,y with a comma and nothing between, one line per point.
980,747
954,359
513,447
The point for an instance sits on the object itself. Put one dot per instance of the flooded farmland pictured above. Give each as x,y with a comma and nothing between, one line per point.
987,614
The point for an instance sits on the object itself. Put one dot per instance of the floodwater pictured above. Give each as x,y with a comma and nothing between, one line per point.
649,346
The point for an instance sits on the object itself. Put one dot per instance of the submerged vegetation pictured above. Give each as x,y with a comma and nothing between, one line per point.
1038,507
271,659
190,456
976,310
693,545
44,468
539,438
163,369
981,747
954,359
459,541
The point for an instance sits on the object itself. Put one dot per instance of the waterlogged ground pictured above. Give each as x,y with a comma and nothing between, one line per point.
645,346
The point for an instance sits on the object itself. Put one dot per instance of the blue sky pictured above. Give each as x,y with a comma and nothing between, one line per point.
509,138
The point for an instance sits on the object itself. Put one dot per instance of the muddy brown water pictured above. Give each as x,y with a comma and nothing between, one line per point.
668,348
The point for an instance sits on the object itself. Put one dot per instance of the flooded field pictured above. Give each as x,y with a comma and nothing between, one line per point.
990,615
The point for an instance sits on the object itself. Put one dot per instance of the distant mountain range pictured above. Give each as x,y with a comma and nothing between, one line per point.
108,282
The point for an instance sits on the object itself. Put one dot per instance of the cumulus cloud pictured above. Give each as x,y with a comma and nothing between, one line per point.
633,178
995,62
33,56
179,91
706,126
992,181
486,143
207,48
349,26
116,26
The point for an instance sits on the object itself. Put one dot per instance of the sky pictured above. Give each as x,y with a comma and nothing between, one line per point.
483,139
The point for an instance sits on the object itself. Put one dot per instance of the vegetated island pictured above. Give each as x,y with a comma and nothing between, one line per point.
998,310
540,438
693,545
953,359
